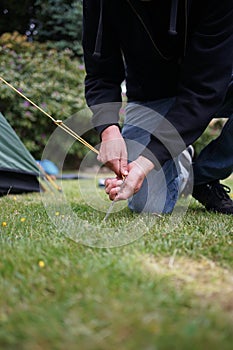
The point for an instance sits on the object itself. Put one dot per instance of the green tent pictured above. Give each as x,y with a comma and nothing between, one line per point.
18,169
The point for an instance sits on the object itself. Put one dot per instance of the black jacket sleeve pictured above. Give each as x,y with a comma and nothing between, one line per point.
104,74
204,77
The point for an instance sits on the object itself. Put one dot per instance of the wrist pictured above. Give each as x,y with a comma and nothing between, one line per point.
111,131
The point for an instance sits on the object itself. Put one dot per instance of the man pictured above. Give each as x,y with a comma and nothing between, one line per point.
176,57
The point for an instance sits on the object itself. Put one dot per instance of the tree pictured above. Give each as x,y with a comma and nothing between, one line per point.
56,21
15,15
60,22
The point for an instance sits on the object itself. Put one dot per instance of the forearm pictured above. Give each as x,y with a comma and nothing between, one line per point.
204,77
104,74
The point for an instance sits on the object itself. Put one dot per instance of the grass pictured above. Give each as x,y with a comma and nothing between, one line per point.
167,285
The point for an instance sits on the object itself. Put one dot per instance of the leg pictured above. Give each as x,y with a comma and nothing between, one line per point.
215,162
160,190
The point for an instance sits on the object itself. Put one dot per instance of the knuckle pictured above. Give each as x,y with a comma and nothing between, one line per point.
107,182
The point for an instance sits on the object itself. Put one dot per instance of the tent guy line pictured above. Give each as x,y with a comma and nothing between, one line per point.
49,178
59,123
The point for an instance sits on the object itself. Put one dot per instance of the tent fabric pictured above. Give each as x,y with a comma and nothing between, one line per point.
16,183
13,153
18,169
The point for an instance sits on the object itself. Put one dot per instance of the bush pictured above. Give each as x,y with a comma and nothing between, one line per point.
56,21
50,79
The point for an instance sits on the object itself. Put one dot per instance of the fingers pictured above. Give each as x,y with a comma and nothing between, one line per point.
126,191
113,187
137,171
118,165
113,152
123,166
118,189
114,165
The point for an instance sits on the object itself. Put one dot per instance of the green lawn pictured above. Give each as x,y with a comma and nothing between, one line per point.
167,283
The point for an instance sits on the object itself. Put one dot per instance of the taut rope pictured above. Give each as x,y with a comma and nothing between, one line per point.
59,123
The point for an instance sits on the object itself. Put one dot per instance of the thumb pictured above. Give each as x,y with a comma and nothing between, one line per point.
124,167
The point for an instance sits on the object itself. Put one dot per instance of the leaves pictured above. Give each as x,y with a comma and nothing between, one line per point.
51,79
60,22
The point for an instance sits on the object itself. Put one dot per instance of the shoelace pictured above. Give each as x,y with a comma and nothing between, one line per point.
222,191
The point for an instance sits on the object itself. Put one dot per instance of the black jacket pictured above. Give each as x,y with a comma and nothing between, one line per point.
137,41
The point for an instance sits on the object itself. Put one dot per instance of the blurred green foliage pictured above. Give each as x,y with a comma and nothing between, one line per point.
60,23
57,21
51,79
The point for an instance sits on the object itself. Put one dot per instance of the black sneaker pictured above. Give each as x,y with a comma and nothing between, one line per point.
214,196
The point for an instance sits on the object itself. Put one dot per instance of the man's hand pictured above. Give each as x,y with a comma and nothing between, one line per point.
119,190
113,152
